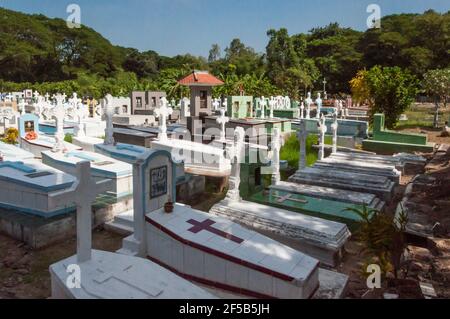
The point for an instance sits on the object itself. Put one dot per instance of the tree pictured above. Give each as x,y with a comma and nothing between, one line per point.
437,84
214,53
391,91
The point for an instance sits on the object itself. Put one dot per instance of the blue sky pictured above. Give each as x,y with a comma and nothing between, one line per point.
173,27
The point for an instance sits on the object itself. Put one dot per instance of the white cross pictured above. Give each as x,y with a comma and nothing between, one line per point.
275,147
36,94
82,193
222,120
58,114
302,109
109,112
319,105
322,131
272,103
22,105
216,104
262,105
162,113
308,101
236,156
334,128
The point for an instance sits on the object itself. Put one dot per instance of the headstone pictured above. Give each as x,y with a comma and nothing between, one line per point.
237,154
109,112
302,109
276,146
302,135
334,128
322,131
163,112
58,114
272,103
308,101
222,121
263,104
319,105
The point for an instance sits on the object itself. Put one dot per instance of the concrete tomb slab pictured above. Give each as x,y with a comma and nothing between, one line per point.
378,185
102,167
320,238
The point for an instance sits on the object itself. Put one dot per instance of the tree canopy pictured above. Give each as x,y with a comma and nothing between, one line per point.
39,52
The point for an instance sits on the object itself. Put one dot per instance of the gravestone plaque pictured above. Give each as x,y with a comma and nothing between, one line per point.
158,182
29,126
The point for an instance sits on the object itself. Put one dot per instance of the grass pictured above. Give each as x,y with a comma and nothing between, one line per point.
290,152
420,116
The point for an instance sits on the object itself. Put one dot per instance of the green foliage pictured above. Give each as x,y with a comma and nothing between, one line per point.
11,136
389,90
437,83
43,54
68,138
382,237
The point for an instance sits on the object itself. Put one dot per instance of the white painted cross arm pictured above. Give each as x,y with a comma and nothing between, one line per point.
85,189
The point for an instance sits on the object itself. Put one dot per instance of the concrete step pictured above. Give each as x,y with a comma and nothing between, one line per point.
118,228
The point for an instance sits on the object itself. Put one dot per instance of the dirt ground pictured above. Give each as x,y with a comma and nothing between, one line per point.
24,272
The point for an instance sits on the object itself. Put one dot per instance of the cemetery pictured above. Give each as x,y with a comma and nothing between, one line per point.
280,174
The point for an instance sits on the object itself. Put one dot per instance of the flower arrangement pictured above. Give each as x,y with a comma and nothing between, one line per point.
30,136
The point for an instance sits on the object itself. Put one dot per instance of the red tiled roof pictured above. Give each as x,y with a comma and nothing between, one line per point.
200,78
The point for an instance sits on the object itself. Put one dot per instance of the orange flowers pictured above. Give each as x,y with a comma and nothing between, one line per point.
30,136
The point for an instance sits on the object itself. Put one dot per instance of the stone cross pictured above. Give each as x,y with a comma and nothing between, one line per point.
83,193
22,105
237,155
302,136
276,147
262,105
334,128
109,112
163,112
216,104
222,120
302,109
272,103
58,113
47,97
322,130
308,101
36,95
319,105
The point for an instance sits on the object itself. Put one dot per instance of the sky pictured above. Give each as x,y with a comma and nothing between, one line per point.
172,27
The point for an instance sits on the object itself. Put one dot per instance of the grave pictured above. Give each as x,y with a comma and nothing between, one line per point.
102,167
10,152
385,141
313,201
198,158
285,108
105,275
320,238
378,185
203,247
28,186
34,142
144,103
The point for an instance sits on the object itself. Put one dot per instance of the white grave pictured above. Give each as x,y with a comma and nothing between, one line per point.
28,185
105,275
